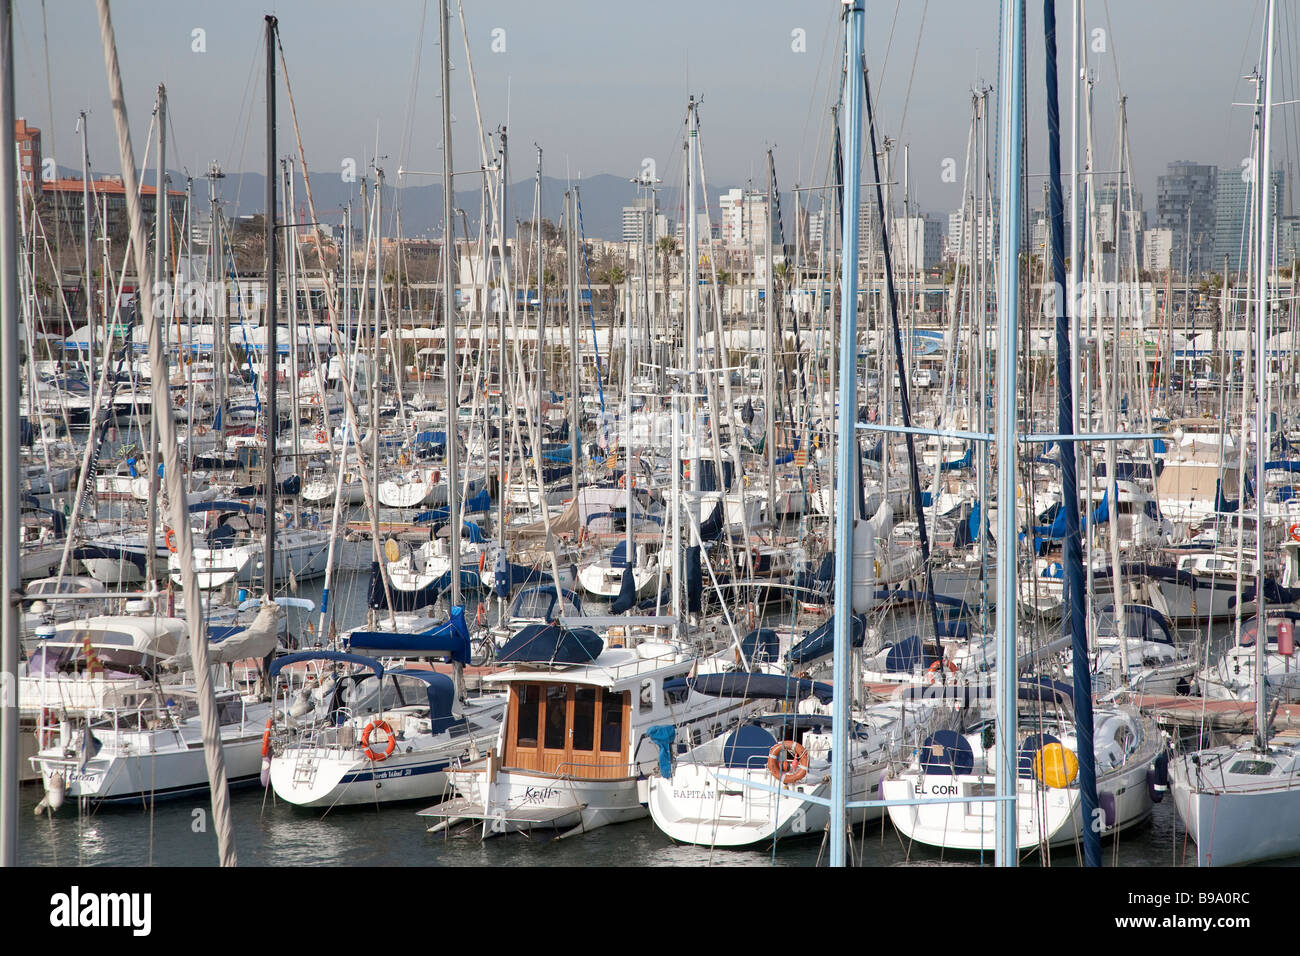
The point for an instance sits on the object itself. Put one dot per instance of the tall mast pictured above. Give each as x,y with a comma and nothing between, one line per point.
769,335
449,313
691,572
1074,623
541,292
89,284
272,294
161,283
10,359
846,442
1010,119
1264,203
571,218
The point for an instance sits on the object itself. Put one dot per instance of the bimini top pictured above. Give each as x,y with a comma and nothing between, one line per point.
281,662
552,644
449,639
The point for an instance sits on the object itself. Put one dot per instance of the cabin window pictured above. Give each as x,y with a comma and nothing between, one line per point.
530,697
584,718
611,722
556,716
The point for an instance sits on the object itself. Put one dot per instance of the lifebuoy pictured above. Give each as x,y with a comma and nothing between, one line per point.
266,738
1295,532
321,436
180,399
787,761
200,430
315,399
622,480
170,539
480,616
365,740
938,666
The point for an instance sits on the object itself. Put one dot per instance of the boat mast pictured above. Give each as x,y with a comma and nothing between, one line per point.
214,758
769,392
846,443
1074,623
163,288
1263,192
89,285
541,293
272,293
10,521
449,313
1010,118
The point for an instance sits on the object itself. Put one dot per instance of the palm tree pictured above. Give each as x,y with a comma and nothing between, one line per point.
667,247
724,280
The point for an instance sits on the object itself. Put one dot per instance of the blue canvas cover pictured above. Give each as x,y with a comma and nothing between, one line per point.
747,747
552,644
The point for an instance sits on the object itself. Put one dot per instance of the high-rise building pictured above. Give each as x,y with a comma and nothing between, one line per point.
1185,205
968,228
917,243
634,221
744,219
1157,250
1232,211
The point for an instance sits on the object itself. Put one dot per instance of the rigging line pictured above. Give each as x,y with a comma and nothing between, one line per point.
907,100
889,45
49,96
402,152
250,91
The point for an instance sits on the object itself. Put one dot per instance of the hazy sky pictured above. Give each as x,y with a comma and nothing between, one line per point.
602,85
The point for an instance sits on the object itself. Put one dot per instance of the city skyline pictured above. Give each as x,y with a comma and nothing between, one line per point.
766,78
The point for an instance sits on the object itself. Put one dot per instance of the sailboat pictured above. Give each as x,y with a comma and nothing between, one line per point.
1240,802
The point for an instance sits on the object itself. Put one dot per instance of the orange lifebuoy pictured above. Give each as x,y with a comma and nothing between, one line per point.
1295,532
170,539
365,740
787,761
321,436
266,738
622,480
938,666
180,399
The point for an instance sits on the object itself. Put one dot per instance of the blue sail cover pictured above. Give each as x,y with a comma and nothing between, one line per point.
756,685
822,641
906,655
626,592
449,639
761,643
552,644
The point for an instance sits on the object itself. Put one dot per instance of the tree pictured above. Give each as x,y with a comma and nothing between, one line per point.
667,247
724,280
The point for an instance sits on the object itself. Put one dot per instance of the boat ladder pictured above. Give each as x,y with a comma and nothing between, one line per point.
305,762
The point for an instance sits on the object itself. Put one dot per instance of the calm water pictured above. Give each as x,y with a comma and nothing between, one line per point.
269,832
